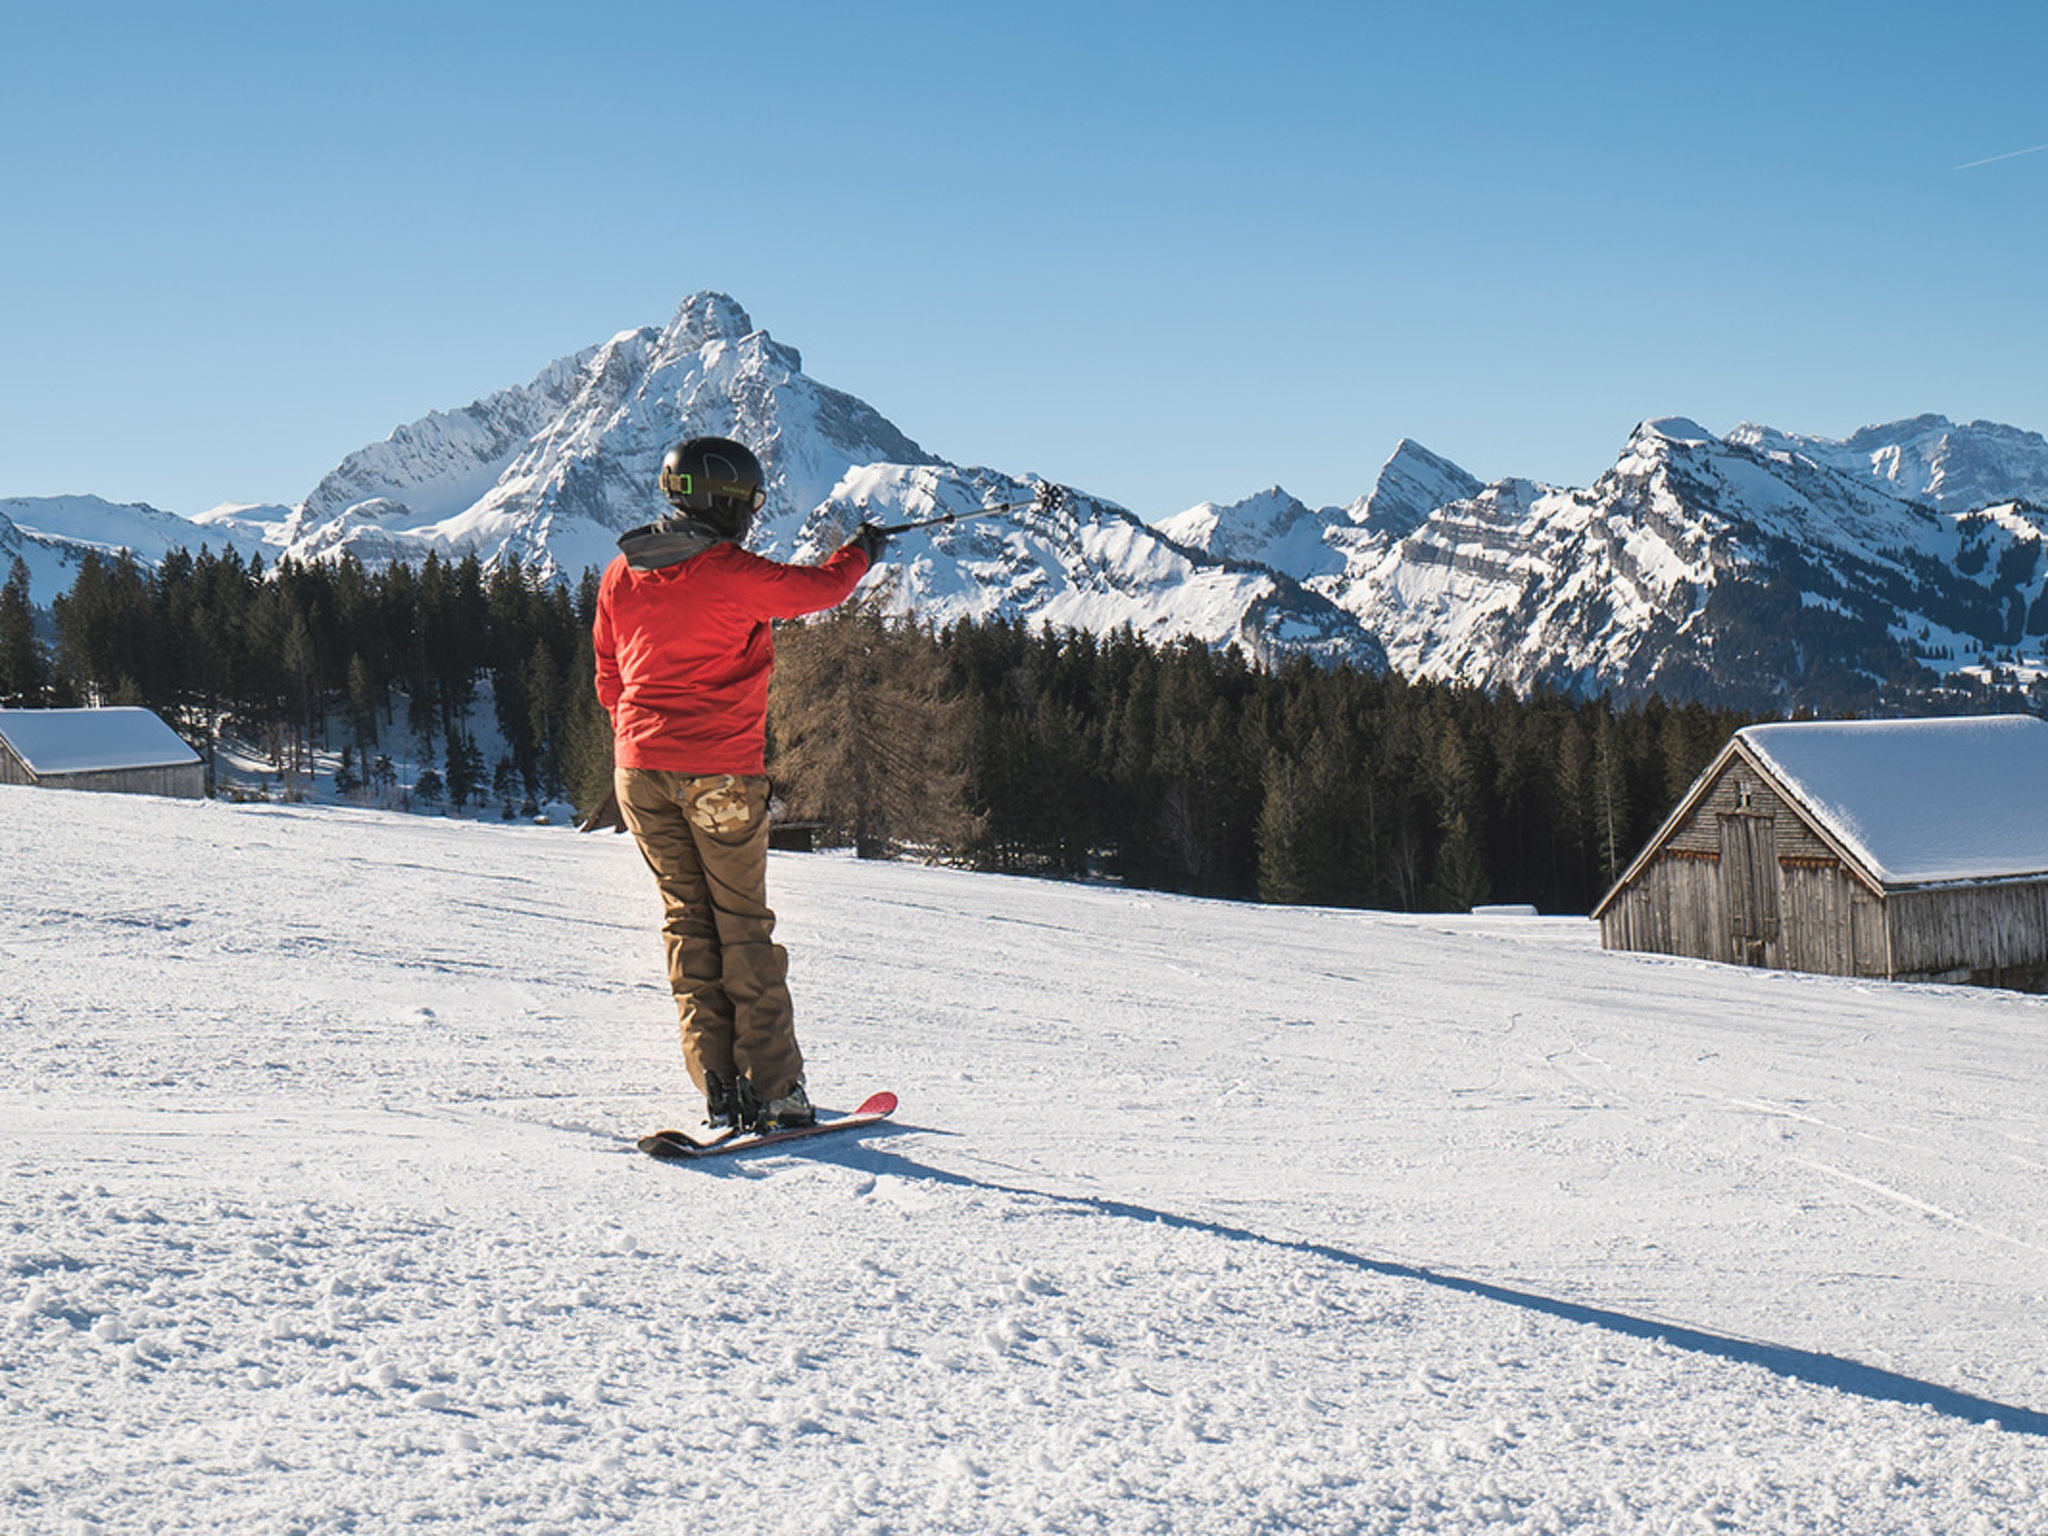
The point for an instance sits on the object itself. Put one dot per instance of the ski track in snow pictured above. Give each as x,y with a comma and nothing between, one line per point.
320,1211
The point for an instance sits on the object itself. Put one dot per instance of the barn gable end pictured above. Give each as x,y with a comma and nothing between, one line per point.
1740,873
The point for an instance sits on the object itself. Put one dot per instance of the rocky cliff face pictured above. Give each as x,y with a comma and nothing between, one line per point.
1744,571
1929,459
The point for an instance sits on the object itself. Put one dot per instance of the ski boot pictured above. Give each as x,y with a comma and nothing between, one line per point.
722,1102
790,1112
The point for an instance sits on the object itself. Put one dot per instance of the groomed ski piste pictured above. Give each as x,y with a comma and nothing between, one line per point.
322,1212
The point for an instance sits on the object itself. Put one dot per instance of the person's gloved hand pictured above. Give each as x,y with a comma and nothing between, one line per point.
870,540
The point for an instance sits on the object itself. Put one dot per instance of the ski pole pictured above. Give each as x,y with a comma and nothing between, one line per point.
1047,498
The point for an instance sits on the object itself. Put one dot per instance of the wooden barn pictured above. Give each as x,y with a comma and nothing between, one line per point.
128,751
1911,850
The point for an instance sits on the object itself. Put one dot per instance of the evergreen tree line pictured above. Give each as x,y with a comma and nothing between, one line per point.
1183,768
991,742
384,667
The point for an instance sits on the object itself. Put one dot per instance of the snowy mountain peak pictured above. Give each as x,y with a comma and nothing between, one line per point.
703,318
1674,429
1239,530
550,472
1412,484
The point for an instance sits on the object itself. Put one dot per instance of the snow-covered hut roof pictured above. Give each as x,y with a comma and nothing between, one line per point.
1920,802
50,741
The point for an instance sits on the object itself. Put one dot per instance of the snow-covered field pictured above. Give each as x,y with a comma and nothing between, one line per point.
321,1214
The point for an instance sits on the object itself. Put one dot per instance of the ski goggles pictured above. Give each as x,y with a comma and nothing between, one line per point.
676,482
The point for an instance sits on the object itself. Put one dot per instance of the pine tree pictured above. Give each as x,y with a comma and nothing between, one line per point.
868,738
363,700
24,669
346,780
302,701
1285,833
466,770
586,740
1611,806
547,704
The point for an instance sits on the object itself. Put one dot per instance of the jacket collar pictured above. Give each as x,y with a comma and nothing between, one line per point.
668,542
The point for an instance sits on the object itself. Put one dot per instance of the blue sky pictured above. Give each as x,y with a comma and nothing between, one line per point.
1166,252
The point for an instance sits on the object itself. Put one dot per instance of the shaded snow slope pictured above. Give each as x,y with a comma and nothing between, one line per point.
320,1214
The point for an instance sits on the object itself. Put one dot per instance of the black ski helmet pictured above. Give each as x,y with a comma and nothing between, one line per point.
716,481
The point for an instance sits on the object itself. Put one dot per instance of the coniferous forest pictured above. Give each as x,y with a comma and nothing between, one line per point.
989,743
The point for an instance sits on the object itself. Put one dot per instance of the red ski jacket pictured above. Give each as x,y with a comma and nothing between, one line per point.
684,652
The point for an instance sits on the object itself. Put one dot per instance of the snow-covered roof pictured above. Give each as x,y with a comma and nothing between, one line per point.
1920,802
92,740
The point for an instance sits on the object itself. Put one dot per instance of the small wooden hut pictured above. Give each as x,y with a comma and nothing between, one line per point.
126,750
1910,850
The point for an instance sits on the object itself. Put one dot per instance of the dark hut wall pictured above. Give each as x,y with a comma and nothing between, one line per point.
184,781
1994,935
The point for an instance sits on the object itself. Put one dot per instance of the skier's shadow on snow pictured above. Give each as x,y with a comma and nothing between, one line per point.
1843,1375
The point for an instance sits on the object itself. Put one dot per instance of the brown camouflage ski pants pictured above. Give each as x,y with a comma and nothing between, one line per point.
706,839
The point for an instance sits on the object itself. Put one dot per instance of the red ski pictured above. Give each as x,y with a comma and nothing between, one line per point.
701,1141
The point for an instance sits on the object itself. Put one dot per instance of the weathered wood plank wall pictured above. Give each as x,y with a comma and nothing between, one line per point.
1993,934
184,782
1673,908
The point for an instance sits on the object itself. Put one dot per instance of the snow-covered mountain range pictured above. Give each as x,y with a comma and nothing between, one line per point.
1761,567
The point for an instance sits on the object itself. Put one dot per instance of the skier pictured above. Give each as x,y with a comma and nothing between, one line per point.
683,656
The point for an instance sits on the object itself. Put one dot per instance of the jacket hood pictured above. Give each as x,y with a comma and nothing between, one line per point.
668,542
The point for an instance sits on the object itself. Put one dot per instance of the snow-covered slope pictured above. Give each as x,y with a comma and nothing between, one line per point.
1262,1219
